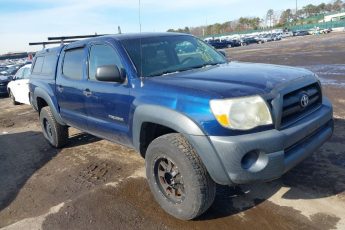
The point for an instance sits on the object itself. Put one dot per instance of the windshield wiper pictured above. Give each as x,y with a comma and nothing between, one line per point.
167,72
199,66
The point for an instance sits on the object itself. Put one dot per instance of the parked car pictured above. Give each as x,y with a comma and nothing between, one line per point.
18,88
11,70
3,68
277,37
287,34
219,44
327,31
4,80
196,118
249,40
222,44
233,43
236,42
264,38
317,31
300,33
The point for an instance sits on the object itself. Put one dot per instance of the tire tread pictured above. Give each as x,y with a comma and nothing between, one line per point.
60,130
205,182
203,186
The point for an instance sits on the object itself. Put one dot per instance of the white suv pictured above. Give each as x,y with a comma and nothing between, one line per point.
18,89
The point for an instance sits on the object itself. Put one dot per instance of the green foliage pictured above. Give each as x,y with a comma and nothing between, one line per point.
309,14
185,30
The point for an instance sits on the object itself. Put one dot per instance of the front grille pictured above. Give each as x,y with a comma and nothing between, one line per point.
292,103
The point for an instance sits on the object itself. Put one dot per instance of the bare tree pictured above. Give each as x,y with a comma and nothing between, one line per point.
337,5
269,16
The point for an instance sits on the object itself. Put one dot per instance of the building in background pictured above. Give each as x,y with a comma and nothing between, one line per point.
334,17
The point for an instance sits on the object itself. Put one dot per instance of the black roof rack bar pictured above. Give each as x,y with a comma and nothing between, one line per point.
75,37
47,43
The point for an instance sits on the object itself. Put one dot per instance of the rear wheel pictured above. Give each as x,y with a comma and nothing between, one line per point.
55,134
177,177
14,102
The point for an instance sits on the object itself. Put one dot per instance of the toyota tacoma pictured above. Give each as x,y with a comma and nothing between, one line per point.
197,119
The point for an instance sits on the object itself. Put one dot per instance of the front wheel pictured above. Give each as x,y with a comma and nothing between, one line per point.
13,99
177,177
55,134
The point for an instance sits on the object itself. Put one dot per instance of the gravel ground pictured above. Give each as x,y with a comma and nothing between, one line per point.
95,184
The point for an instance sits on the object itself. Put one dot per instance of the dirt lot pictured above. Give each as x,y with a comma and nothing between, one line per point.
95,184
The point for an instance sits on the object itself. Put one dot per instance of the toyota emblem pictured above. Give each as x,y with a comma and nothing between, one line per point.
304,100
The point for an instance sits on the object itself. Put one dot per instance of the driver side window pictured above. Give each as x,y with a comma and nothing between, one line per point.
26,73
19,74
101,55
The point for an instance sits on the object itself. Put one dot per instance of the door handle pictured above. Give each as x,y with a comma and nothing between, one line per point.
87,92
60,88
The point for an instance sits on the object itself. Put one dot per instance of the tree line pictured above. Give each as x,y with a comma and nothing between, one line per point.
308,11
271,19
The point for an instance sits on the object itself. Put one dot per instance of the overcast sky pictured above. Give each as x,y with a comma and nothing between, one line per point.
24,21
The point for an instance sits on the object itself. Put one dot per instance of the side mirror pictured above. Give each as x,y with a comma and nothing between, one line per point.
224,54
110,73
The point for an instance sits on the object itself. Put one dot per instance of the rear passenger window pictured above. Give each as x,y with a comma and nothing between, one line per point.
101,55
49,64
38,65
45,64
73,64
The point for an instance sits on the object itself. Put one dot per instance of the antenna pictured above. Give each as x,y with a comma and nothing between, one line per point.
141,48
139,16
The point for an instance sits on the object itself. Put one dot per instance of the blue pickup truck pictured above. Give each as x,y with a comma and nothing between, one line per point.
197,119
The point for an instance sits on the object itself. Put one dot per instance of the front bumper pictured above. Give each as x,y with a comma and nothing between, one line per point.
278,150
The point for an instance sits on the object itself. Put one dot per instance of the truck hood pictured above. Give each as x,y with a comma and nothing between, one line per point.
233,79
4,78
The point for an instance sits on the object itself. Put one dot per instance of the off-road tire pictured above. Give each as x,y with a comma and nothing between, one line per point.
14,102
199,188
55,134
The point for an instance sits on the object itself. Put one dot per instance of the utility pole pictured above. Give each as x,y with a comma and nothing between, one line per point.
296,8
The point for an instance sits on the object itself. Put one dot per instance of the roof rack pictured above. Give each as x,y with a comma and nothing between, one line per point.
48,43
63,39
75,37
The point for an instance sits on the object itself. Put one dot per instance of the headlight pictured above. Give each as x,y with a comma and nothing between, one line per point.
241,113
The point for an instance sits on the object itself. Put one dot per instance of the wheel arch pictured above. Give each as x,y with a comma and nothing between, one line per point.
166,117
41,99
178,123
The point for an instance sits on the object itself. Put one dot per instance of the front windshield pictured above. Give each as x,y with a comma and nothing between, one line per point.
170,54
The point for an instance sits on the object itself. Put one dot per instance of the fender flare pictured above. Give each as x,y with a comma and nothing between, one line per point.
162,116
44,95
188,128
